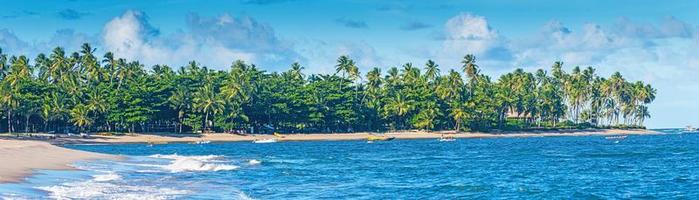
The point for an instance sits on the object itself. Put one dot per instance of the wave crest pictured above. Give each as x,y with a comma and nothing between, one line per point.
194,163
190,164
106,177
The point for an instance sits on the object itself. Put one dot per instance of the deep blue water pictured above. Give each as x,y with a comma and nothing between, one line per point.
638,167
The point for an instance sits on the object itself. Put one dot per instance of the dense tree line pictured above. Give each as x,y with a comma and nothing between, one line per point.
62,92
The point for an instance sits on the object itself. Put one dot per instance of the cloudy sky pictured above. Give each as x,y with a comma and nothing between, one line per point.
645,40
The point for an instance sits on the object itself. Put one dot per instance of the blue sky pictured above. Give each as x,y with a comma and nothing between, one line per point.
645,40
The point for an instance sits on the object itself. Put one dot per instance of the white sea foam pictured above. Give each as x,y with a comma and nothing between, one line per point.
243,196
254,162
105,190
191,164
194,163
13,197
111,176
175,157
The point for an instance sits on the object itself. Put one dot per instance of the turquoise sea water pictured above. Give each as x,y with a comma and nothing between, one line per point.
659,166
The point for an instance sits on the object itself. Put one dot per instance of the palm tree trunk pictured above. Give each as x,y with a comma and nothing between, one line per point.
206,120
9,121
180,125
26,124
458,126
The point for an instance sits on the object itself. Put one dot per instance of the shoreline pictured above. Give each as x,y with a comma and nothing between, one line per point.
223,137
27,155
21,158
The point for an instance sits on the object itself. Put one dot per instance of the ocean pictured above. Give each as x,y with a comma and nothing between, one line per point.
588,167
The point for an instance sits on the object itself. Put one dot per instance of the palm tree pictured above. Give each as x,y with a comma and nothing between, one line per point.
427,116
45,112
42,63
398,107
347,67
10,101
179,100
59,106
97,103
20,70
58,65
3,65
410,73
458,113
123,70
469,67
295,71
431,70
373,87
80,116
90,63
207,102
342,65
451,88
111,65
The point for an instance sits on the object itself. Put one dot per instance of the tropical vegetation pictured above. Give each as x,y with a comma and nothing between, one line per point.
81,91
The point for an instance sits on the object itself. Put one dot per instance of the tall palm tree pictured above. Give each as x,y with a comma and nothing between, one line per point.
451,88
347,67
111,65
410,74
469,67
123,71
398,106
208,103
458,113
427,115
4,68
59,63
97,102
431,70
295,71
10,101
180,101
45,112
80,116
20,70
42,64
90,64
342,65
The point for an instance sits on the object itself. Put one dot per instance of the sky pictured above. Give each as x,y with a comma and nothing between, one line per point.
657,43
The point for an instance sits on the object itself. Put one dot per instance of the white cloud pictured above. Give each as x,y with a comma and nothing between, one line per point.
471,34
322,56
364,55
215,42
130,36
9,42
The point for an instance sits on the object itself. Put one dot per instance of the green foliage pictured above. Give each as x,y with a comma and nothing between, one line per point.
63,92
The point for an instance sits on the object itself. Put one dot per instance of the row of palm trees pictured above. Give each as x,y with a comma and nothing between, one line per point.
62,92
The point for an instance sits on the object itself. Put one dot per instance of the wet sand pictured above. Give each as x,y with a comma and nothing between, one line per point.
20,157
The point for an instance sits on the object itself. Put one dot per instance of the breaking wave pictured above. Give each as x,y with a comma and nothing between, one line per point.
107,186
194,163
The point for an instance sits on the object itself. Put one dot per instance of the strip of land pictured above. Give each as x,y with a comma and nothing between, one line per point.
19,158
222,137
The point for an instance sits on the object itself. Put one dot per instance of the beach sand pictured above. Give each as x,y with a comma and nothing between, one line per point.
221,137
20,157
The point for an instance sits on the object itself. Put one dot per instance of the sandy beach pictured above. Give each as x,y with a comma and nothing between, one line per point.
222,137
20,157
